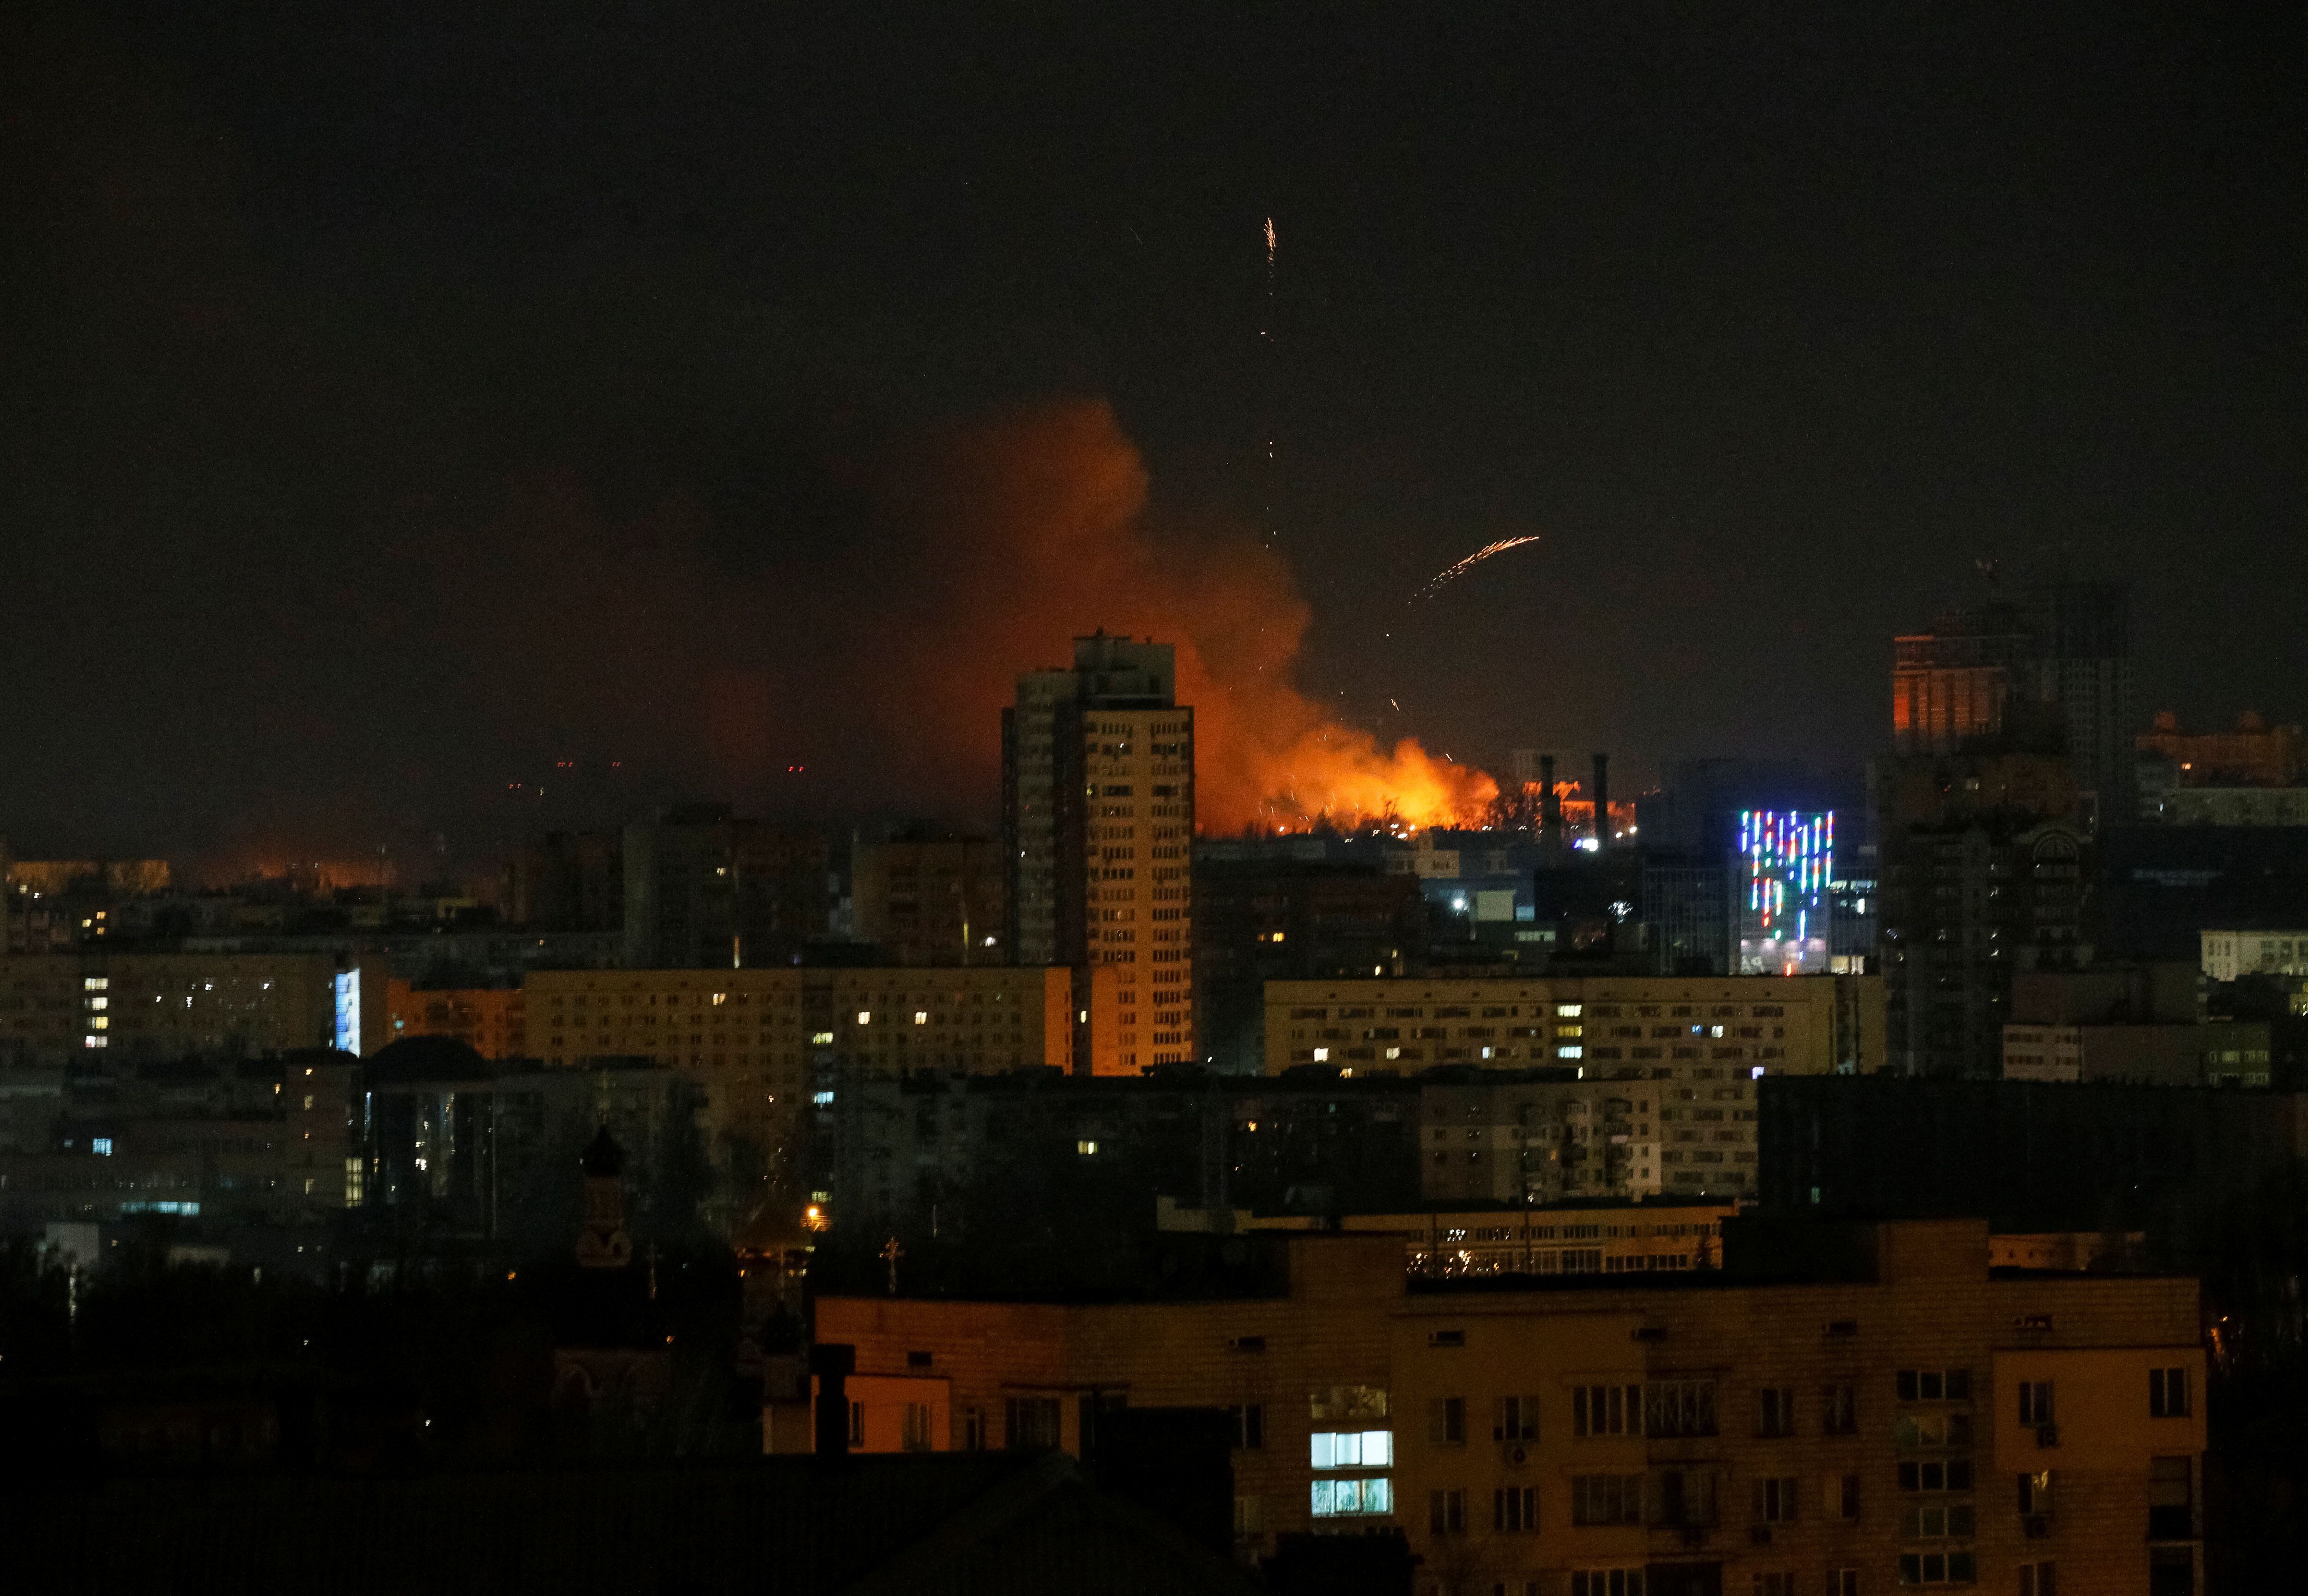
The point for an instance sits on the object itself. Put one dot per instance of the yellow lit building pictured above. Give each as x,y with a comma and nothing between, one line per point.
1908,1419
1099,828
1665,1067
761,1041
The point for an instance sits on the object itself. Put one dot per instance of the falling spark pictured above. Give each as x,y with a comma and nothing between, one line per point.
1270,534
1452,573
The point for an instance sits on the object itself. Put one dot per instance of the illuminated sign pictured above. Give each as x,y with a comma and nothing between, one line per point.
1786,859
349,1011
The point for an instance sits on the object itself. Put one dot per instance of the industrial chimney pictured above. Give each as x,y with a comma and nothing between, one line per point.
1550,807
1602,802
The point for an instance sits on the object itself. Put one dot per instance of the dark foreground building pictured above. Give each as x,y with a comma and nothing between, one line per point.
905,1525
2027,1155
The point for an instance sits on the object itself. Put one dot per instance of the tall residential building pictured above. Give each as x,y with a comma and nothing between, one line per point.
1953,683
931,900
1260,918
1984,861
2054,671
1098,766
570,881
705,891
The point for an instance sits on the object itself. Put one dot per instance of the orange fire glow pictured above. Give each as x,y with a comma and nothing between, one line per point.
1042,540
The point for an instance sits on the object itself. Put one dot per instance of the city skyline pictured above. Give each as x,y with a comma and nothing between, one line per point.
393,445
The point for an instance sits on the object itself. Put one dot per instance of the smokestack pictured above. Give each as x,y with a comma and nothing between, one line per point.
1602,802
832,1362
1550,807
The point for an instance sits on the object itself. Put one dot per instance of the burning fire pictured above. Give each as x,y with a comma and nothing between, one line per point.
1036,535
1343,778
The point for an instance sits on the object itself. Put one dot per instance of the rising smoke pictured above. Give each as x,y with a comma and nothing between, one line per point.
1032,530
867,667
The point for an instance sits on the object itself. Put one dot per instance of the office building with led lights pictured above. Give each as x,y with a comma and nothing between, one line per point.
1785,862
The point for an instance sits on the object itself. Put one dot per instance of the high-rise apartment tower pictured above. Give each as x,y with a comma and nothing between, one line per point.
1097,778
2049,674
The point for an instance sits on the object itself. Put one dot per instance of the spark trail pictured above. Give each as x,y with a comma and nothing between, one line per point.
1445,577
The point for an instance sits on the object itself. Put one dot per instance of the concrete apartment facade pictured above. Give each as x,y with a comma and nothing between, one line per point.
1906,1418
764,1042
1661,1095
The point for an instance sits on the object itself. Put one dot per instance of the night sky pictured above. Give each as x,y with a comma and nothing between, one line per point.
402,398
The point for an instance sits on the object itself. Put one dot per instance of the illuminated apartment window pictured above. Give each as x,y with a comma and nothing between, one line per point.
1352,1449
921,1016
1353,1498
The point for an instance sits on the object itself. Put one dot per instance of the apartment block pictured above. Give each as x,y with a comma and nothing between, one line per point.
931,900
763,1042
1582,1238
1660,1096
125,1007
1847,1408
1099,830
706,889
492,1020
2231,955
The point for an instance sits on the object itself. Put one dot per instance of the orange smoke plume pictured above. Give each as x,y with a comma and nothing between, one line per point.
1036,534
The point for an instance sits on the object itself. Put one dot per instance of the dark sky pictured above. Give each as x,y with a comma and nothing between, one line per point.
400,398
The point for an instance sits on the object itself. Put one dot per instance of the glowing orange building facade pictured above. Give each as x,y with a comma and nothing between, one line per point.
494,1021
1905,1417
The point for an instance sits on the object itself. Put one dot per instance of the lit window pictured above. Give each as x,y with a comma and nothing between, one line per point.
822,1098
821,1038
100,1003
1340,1498
1570,1052
95,983
1087,1149
865,1016
1321,1056
1352,1449
101,1145
921,1016
719,999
